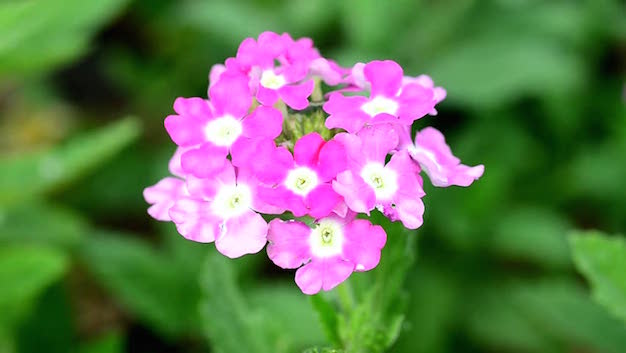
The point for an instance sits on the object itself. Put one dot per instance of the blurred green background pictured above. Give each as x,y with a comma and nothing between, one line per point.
535,93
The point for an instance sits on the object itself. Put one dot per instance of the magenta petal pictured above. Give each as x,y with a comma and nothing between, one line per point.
437,160
231,95
306,149
214,75
378,141
415,102
263,122
297,96
204,161
363,244
194,221
266,96
267,162
185,131
288,243
321,201
410,211
323,274
384,76
358,195
162,197
194,108
246,234
332,160
345,112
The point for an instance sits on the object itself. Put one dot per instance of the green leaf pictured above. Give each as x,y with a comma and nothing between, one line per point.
26,176
111,342
40,35
150,284
39,223
533,234
228,321
25,271
327,316
602,260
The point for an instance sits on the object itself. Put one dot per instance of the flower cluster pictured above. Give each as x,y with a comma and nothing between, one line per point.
269,141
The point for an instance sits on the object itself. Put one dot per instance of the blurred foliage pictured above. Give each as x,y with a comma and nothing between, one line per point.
535,92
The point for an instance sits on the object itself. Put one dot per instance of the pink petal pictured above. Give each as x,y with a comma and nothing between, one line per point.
206,188
384,76
231,95
353,145
323,274
282,197
326,70
204,161
267,162
263,122
194,108
272,44
415,102
185,131
358,195
307,148
175,165
321,201
345,112
162,197
214,75
363,243
332,160
194,221
437,160
246,234
288,243
266,96
378,141
297,96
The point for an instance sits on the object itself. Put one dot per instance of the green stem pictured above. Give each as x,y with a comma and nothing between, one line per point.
346,297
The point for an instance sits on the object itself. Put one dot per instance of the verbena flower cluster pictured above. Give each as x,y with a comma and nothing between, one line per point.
287,132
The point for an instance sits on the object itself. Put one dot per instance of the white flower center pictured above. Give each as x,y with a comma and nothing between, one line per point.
383,180
223,131
380,105
231,201
326,239
301,181
270,80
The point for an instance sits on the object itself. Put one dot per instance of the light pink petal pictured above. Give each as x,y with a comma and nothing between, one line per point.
288,243
402,164
332,160
345,112
246,234
363,242
206,188
323,274
175,165
384,76
437,160
307,148
214,75
263,122
353,145
231,95
204,161
415,102
272,44
358,195
185,131
327,70
321,201
162,197
297,96
357,77
282,197
194,220
378,141
194,108
266,96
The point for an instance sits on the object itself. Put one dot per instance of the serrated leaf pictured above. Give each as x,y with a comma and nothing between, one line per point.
26,176
228,321
150,284
602,260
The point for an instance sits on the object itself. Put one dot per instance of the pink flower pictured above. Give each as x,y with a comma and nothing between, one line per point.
163,195
394,188
301,183
436,159
219,126
330,251
256,58
388,101
221,209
